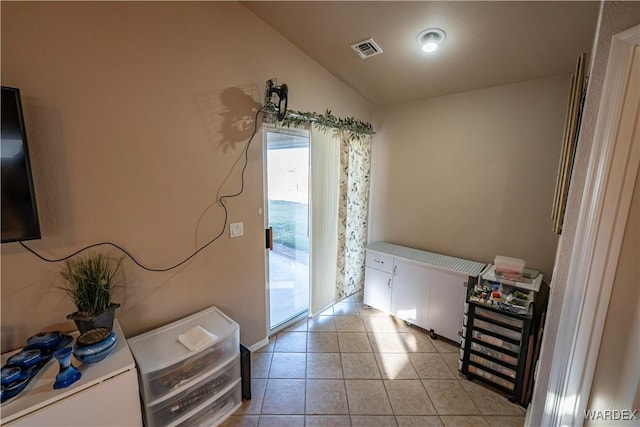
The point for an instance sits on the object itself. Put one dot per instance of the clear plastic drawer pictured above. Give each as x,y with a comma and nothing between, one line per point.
492,378
216,411
507,333
158,384
495,354
166,367
512,321
495,341
496,367
169,410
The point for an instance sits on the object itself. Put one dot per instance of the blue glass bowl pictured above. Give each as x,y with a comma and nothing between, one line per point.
94,345
44,340
11,390
25,359
11,374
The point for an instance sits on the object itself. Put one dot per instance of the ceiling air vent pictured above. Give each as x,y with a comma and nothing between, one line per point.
366,48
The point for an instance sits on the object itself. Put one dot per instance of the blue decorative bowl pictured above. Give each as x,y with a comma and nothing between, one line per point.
94,345
25,359
44,340
11,390
9,375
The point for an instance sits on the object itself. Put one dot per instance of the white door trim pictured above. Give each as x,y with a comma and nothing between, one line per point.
609,184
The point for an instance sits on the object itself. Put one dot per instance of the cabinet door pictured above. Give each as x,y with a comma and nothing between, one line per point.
410,300
446,305
377,289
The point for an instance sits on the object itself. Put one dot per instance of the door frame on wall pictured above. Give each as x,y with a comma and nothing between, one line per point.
602,218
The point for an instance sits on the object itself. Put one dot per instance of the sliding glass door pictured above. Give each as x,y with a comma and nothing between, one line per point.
287,207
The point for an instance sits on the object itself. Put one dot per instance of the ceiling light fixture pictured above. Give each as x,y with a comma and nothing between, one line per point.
430,39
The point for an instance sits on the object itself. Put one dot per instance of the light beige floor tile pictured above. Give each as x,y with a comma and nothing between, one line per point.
326,397
449,398
387,342
373,421
241,421
431,366
254,405
288,365
417,342
322,342
353,342
395,366
452,360
505,421
284,396
366,311
490,403
298,326
408,397
464,421
445,346
419,421
321,324
326,312
327,421
324,365
350,299
358,297
361,366
290,342
381,324
281,421
367,397
349,324
345,309
260,364
267,348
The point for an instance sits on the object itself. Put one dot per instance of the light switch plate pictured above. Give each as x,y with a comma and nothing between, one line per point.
236,229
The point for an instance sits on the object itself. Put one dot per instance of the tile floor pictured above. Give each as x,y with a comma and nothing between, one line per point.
357,366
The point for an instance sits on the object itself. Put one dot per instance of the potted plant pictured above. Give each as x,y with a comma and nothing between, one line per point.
91,282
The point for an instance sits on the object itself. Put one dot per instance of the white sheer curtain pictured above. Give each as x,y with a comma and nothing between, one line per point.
325,180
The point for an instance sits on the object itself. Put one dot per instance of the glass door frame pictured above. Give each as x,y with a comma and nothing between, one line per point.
300,132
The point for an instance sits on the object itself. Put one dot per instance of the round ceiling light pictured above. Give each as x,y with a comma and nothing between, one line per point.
430,39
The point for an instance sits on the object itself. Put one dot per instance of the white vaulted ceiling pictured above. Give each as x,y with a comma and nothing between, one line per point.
487,43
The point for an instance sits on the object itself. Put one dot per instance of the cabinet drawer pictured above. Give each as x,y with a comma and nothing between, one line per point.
507,333
156,385
494,353
495,341
216,411
490,377
169,410
379,261
496,367
511,321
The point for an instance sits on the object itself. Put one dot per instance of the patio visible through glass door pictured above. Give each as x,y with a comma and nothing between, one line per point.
287,158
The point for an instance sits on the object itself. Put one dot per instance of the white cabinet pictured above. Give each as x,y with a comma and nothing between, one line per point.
422,288
411,292
105,395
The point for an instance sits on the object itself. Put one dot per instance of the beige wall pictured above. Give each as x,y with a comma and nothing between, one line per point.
136,113
472,175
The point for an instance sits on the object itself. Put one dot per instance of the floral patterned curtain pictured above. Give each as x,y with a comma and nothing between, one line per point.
353,208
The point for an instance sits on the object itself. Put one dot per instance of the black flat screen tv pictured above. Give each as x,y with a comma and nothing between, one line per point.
19,211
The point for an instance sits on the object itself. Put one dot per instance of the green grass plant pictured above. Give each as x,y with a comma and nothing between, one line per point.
91,282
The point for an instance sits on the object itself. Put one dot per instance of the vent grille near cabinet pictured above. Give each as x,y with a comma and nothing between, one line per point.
366,48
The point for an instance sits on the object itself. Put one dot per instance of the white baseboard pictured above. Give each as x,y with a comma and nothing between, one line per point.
259,345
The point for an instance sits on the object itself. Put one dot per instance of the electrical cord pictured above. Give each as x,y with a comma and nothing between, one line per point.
159,270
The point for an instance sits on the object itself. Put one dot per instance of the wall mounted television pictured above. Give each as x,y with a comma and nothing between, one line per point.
18,204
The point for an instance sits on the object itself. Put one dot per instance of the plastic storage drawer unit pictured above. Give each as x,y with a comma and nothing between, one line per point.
175,381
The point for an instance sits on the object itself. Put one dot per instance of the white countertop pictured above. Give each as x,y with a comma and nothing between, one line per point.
444,262
40,392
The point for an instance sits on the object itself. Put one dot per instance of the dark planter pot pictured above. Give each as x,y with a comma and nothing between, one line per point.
100,320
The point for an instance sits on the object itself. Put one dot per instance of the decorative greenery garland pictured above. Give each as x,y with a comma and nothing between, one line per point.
355,129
